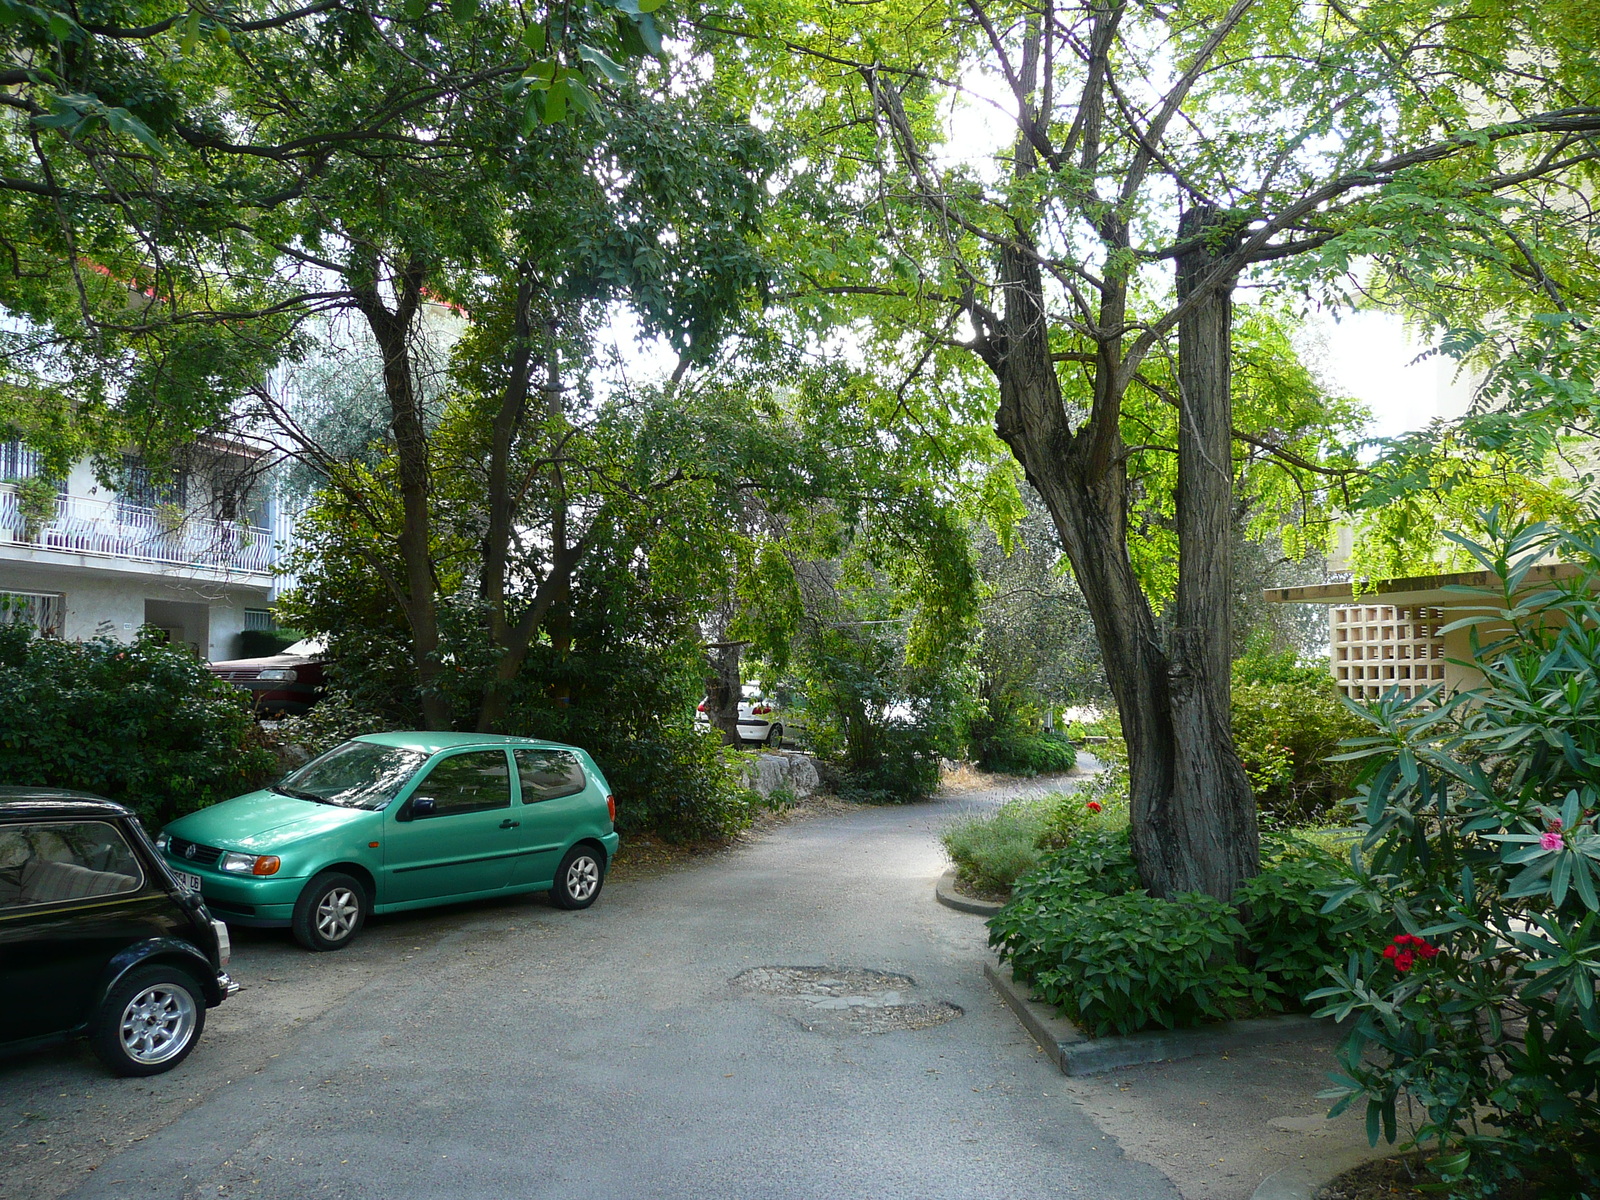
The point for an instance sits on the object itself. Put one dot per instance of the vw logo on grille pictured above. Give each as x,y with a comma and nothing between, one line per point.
189,850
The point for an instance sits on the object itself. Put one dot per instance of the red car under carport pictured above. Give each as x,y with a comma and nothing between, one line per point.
284,684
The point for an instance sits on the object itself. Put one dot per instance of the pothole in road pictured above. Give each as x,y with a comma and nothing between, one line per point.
847,999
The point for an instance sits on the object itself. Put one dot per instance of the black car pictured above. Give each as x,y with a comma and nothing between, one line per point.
97,937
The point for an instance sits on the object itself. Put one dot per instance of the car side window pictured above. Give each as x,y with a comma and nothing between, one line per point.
48,863
548,774
467,783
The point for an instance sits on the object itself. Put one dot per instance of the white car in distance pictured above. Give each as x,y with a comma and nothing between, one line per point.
759,718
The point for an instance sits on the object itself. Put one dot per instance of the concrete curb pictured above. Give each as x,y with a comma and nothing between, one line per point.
1075,1054
945,892
1303,1180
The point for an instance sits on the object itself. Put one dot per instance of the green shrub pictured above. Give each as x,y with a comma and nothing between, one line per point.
1082,931
1285,733
677,782
1480,855
1099,802
906,768
1291,939
263,643
140,723
991,852
331,721
1112,958
1016,753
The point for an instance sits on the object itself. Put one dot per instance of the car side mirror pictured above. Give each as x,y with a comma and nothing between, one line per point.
423,806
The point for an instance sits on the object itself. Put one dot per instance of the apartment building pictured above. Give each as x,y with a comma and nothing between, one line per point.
191,554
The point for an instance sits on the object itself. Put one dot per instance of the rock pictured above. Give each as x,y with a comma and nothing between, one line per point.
803,776
797,772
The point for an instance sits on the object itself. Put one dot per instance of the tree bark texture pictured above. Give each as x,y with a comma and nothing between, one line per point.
1211,787
392,331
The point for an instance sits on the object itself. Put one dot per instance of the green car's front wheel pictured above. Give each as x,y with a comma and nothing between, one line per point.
578,878
330,912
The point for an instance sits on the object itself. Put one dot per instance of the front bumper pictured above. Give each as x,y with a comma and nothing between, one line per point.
266,901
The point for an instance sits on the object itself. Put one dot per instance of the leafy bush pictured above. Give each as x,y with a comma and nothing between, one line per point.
991,852
903,769
1285,733
677,782
331,721
1480,854
1017,753
263,643
139,723
1099,802
1082,931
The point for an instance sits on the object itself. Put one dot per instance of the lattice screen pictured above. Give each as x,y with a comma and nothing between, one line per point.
1377,647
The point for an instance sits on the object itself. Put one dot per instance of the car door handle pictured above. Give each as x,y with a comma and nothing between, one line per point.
509,824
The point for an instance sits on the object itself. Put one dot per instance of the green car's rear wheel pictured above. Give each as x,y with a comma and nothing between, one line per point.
330,912
578,878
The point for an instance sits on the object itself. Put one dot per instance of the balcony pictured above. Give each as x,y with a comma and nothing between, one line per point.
111,529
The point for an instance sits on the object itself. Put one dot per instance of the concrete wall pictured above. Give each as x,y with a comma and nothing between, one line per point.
103,603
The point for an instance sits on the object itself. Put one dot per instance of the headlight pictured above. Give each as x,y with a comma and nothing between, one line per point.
249,864
279,675
163,840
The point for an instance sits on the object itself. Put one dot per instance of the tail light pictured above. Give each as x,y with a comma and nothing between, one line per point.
702,707
611,807
761,709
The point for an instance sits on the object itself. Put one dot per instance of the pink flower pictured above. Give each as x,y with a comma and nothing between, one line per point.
1550,840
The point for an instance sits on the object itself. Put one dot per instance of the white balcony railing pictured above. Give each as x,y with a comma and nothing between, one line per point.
86,525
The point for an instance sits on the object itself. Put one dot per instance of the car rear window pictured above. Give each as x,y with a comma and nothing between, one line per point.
549,774
55,862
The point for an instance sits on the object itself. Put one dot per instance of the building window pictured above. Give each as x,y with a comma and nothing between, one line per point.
141,488
1403,651
17,461
257,618
45,612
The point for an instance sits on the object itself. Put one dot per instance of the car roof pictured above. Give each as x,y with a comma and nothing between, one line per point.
431,742
56,803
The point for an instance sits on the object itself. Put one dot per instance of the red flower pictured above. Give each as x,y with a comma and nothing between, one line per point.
1095,806
1405,949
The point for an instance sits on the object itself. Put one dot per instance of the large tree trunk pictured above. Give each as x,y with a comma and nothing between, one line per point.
1188,832
724,689
392,331
1218,834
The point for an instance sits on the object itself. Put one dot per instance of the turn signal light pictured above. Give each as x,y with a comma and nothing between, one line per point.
267,864
611,807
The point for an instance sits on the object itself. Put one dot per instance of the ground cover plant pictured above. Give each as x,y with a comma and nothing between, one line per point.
1089,939
992,851
1473,1006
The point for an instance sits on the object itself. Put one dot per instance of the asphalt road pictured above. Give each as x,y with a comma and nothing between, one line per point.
509,1049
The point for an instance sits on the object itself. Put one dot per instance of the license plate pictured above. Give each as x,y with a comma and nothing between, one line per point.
189,883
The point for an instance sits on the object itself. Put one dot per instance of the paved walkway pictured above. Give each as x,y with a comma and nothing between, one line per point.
511,1050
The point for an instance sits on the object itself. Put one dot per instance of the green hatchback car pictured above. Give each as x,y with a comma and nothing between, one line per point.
392,821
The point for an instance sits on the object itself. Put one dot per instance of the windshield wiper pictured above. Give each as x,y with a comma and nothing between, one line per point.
295,794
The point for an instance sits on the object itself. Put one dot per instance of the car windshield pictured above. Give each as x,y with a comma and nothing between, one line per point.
354,775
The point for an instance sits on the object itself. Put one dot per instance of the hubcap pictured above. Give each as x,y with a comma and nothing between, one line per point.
157,1023
583,878
336,914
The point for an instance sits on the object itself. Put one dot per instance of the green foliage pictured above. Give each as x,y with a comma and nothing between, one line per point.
331,721
36,502
1014,752
677,782
1479,816
1100,802
991,852
1084,934
1285,733
139,723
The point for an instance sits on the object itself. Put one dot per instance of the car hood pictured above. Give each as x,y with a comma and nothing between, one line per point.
264,821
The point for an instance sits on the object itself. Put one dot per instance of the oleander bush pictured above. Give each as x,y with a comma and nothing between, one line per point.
1473,1009
141,723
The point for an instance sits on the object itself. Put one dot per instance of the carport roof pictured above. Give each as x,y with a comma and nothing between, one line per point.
1435,591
